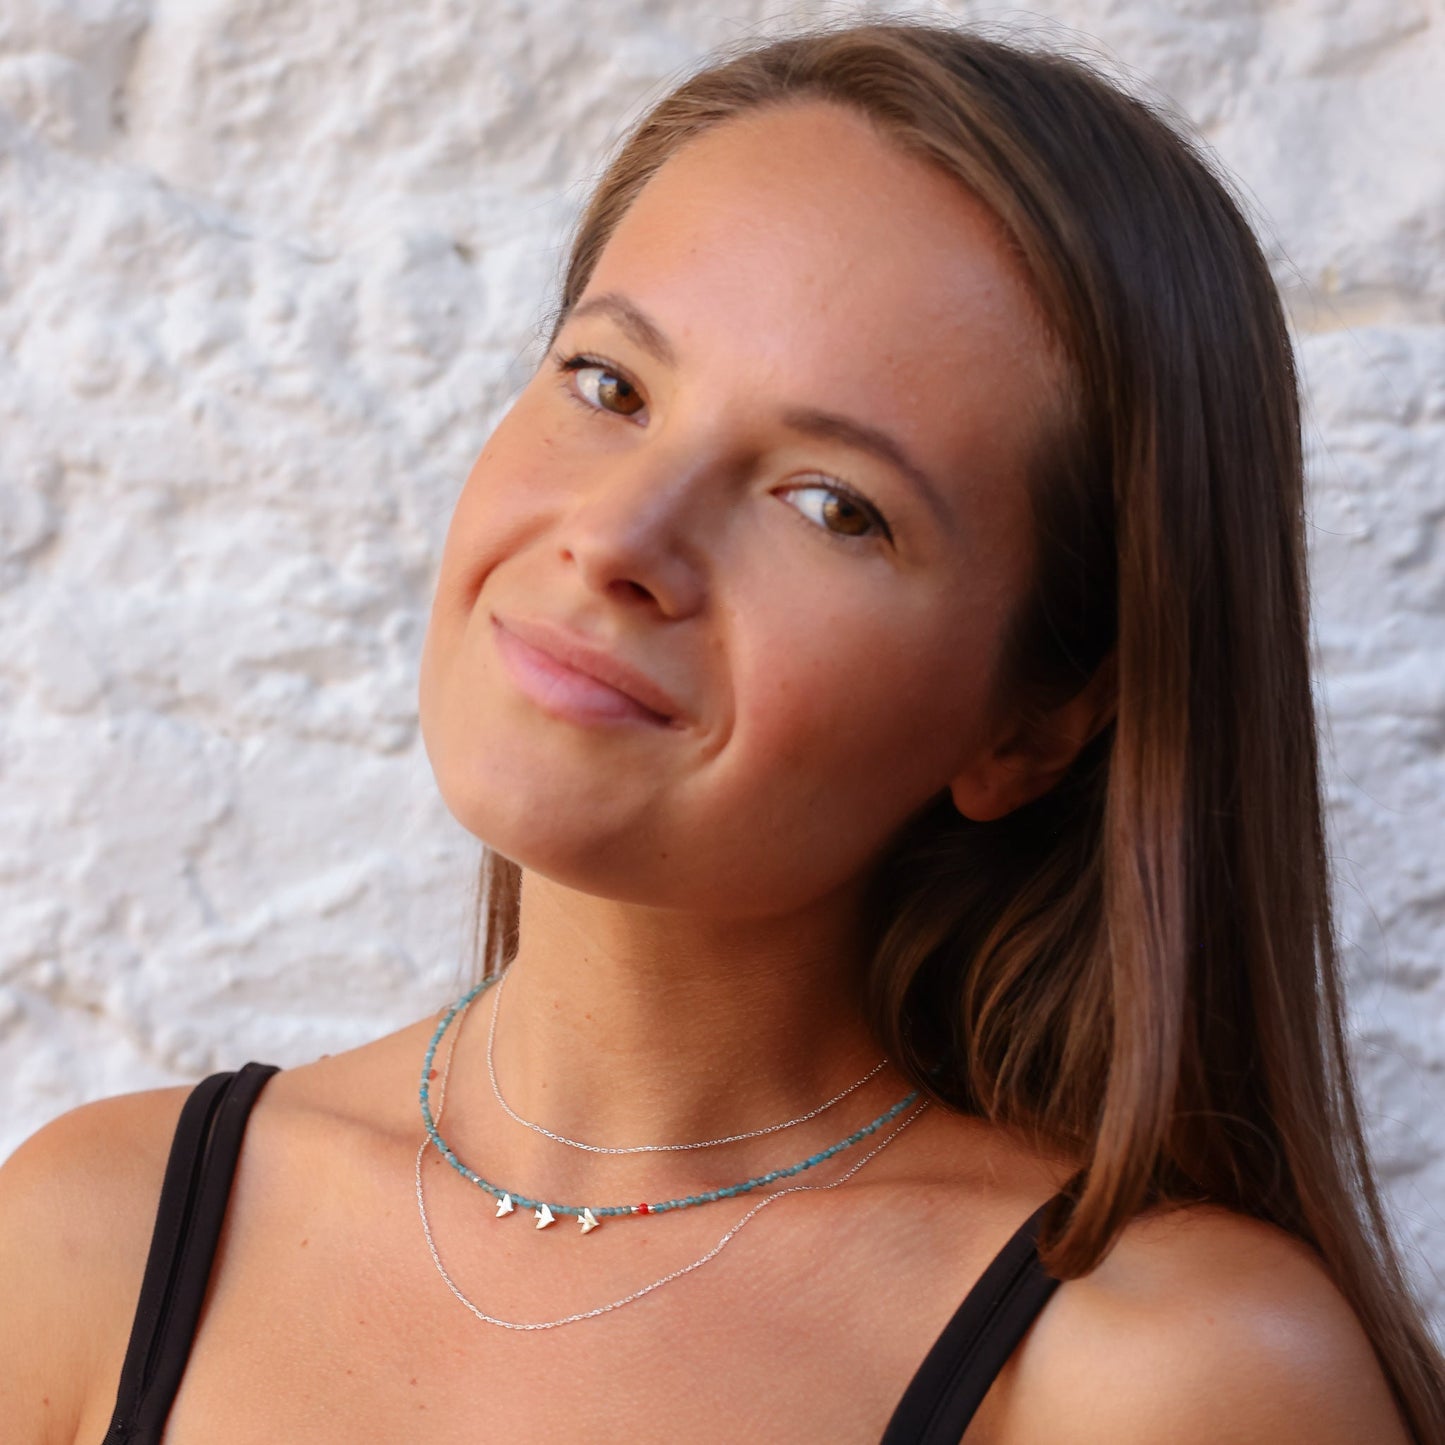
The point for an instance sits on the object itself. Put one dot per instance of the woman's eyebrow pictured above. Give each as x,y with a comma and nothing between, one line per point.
634,321
824,425
829,426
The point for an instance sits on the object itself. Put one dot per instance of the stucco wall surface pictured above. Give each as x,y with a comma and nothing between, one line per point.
269,272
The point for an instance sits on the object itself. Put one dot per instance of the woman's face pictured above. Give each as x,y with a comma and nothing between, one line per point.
776,465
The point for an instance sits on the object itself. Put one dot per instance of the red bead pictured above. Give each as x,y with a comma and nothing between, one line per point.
643,1209
431,1073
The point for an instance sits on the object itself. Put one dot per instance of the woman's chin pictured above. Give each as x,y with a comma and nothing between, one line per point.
547,829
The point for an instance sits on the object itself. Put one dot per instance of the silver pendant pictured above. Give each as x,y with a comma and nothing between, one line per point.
544,1217
505,1205
588,1221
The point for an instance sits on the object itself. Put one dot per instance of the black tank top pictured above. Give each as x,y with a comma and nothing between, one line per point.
935,1409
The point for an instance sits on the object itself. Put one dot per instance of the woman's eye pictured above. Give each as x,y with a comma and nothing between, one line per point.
602,388
840,512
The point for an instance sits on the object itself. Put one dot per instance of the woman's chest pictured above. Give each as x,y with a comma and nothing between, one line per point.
732,1358
337,1335
327,1319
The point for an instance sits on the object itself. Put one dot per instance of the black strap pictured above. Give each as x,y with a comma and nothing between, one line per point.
975,1344
192,1207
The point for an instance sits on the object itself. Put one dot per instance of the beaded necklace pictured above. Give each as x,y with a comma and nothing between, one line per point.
589,1217
647,1289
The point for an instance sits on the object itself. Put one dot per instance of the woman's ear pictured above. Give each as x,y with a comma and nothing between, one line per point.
1033,756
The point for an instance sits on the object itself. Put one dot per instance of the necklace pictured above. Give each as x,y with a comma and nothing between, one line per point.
656,1284
651,1148
545,1212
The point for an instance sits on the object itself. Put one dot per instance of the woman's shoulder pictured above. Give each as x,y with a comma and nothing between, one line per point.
77,1211
77,1206
1202,1324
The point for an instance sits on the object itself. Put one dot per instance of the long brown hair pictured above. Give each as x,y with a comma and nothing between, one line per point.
1139,967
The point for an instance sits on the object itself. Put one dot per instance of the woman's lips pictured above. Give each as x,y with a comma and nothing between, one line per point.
566,691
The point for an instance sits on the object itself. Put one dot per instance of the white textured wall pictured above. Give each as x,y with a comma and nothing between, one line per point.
270,269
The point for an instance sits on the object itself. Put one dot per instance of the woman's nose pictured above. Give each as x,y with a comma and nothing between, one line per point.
638,531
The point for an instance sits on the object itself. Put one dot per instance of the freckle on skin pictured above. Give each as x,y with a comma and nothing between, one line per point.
413,1379
304,1243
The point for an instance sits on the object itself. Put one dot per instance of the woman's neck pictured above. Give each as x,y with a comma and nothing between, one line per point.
624,1025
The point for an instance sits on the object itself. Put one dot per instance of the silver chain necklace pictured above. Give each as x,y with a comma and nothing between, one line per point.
651,1148
647,1289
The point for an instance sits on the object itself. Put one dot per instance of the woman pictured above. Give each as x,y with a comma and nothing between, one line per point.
878,631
